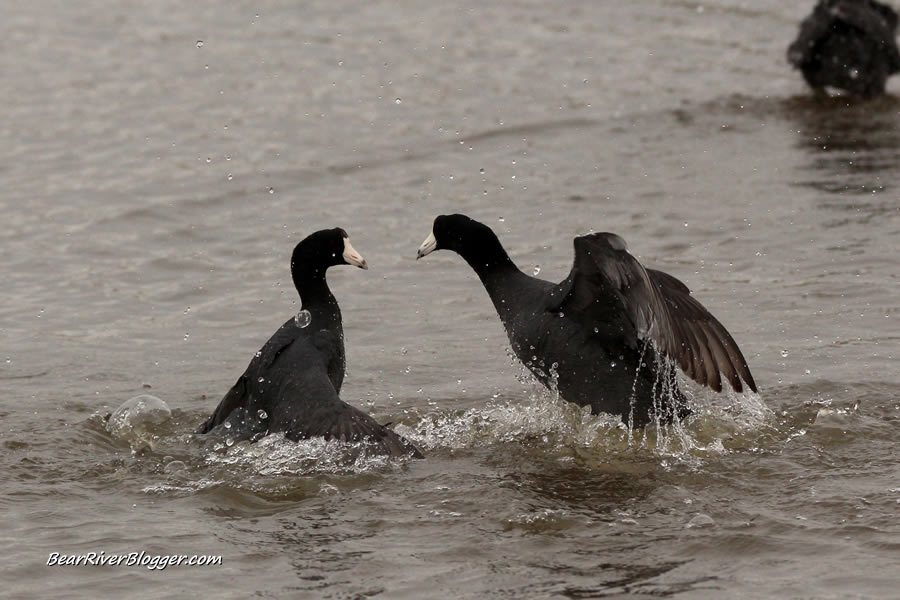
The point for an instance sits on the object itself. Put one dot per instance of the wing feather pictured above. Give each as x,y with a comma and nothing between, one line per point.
608,285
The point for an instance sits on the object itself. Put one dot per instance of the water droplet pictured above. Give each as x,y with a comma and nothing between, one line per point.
403,350
271,190
784,354
208,159
481,171
596,330
853,73
561,314
229,442
199,43
258,353
263,415
340,63
537,269
261,380
227,424
186,336
303,319
230,177
398,101
187,310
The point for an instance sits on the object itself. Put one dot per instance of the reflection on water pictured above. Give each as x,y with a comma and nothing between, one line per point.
853,145
849,148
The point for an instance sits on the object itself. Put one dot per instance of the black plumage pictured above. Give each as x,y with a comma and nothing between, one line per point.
848,45
292,384
604,334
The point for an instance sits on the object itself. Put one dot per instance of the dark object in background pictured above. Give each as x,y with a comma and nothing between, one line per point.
608,335
848,45
291,385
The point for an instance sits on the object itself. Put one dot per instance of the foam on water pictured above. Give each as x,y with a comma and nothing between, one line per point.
544,418
274,455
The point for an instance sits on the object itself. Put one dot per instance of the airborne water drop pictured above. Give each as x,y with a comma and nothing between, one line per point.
302,319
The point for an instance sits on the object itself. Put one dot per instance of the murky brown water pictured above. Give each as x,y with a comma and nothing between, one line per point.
153,188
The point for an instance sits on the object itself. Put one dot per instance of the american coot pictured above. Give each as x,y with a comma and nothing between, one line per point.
848,45
602,335
292,383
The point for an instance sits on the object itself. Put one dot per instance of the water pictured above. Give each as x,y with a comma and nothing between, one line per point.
154,187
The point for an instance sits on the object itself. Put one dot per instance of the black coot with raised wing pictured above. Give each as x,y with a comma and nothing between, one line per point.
609,334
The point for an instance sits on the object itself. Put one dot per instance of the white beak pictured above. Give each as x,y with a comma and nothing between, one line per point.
352,257
427,247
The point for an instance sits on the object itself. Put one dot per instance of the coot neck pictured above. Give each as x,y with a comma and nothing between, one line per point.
316,297
497,272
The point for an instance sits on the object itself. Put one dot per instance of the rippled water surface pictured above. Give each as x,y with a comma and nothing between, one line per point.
162,159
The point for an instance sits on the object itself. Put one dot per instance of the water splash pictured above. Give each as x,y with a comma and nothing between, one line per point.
542,420
630,421
716,420
274,455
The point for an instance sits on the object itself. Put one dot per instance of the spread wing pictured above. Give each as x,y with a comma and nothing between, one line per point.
610,291
239,394
290,379
237,397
